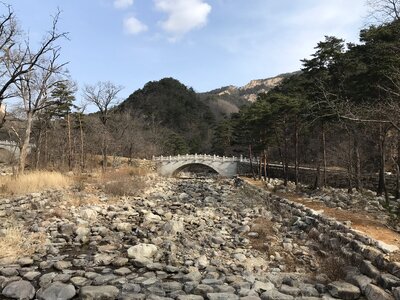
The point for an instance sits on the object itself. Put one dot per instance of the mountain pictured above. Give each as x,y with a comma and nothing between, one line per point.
187,119
177,109
227,100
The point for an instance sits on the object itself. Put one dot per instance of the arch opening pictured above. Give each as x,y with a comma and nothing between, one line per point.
195,171
6,156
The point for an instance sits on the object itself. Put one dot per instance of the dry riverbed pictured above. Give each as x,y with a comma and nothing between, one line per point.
180,239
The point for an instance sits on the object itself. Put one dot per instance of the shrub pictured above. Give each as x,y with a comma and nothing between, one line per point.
125,186
33,182
124,181
15,243
333,266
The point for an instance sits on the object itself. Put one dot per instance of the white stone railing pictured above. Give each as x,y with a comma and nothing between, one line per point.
202,157
12,143
8,143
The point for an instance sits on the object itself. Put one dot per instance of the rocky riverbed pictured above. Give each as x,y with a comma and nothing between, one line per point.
182,239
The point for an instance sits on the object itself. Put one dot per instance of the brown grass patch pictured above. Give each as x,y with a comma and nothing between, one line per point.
333,266
266,235
33,182
77,200
125,187
267,242
15,243
124,172
122,181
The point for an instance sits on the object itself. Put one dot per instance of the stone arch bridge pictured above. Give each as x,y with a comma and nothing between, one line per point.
224,166
9,151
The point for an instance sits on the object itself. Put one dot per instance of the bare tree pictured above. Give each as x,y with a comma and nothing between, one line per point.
103,95
9,34
34,88
384,11
17,57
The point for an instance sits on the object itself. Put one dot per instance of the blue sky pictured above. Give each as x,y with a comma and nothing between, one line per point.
205,44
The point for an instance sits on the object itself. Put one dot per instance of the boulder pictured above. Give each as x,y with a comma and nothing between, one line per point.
275,295
373,292
222,296
57,290
344,290
88,214
19,290
106,292
142,254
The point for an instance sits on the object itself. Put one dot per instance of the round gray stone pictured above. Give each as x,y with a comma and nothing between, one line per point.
57,290
21,289
106,292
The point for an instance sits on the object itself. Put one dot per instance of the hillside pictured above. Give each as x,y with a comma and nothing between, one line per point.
227,100
187,119
177,109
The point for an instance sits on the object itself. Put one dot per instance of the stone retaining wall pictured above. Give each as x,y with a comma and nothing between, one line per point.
146,164
20,205
365,253
334,179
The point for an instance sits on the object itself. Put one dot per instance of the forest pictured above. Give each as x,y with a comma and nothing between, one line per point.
341,111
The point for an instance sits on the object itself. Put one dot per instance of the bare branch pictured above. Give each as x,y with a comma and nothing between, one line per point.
384,11
16,55
103,95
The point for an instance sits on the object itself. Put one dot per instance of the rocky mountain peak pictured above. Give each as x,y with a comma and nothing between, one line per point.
262,84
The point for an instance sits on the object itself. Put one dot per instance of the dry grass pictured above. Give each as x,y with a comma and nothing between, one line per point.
267,242
33,182
125,187
15,243
76,200
266,235
333,266
123,181
124,172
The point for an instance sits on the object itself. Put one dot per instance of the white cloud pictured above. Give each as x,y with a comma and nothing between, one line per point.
134,26
121,4
183,15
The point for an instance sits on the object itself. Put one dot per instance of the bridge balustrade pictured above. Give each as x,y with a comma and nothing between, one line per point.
201,157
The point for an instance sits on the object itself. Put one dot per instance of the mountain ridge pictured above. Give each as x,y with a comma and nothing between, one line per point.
226,100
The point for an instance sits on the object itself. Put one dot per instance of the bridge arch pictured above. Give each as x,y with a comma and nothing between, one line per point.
11,147
167,166
7,155
191,167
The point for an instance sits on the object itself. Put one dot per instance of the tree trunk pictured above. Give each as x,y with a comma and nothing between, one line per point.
286,159
317,182
25,144
130,153
38,148
46,152
104,150
349,166
69,142
296,154
280,153
251,162
324,154
398,168
82,158
357,163
265,165
382,179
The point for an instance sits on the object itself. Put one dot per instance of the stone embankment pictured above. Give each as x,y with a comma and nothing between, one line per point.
337,179
189,240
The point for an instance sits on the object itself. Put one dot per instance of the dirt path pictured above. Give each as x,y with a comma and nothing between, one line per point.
365,222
